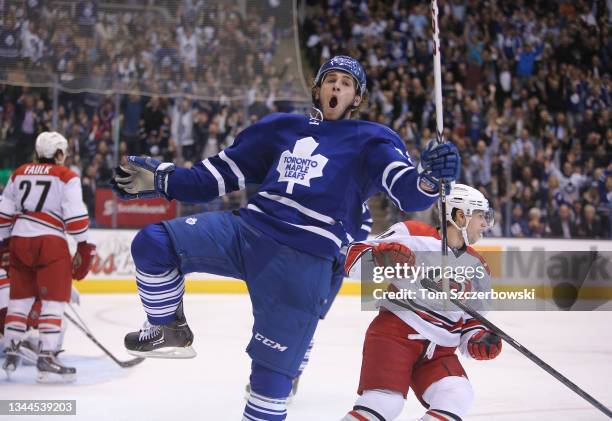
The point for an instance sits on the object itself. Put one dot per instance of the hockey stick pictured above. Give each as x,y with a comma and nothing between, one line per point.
437,68
431,285
124,364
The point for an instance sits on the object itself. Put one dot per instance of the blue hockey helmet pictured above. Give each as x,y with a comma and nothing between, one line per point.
346,64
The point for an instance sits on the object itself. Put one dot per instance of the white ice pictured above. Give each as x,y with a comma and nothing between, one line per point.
211,386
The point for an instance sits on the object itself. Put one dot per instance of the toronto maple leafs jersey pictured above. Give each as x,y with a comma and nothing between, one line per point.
314,177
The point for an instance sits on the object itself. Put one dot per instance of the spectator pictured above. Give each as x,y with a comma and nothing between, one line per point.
591,226
561,225
213,144
518,225
87,16
130,128
153,115
537,229
570,180
26,128
182,127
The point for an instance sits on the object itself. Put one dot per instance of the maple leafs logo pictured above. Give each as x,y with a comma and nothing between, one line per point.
300,165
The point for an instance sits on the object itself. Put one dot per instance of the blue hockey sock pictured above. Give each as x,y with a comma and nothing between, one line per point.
161,284
306,359
268,397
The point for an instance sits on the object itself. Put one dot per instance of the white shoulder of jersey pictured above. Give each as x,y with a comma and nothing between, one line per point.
400,233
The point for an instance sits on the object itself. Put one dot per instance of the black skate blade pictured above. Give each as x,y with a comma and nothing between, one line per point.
9,370
10,367
47,377
170,352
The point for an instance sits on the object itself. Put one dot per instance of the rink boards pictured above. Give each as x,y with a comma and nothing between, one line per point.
113,270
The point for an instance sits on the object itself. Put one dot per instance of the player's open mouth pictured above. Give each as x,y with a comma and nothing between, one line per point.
333,102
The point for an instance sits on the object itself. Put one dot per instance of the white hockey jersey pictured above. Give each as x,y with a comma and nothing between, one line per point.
43,199
448,328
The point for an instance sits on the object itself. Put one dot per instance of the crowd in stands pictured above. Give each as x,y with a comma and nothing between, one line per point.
527,98
192,74
526,87
208,49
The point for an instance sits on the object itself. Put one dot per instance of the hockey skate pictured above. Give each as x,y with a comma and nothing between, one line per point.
28,352
50,370
162,341
13,358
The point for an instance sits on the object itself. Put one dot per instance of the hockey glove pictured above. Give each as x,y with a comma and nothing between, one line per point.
390,254
439,163
142,178
484,345
5,254
83,260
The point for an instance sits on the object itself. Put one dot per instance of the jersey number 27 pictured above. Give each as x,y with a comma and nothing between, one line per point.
27,186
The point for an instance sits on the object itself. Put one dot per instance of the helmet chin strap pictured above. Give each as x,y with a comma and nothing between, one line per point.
463,229
318,114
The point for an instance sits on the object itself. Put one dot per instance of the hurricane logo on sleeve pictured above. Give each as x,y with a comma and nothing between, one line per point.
300,165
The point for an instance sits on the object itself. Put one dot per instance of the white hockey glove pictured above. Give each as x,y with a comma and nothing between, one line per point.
142,178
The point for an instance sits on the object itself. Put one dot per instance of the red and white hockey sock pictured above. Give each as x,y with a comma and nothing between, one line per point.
449,399
439,415
5,284
360,416
376,405
50,324
16,320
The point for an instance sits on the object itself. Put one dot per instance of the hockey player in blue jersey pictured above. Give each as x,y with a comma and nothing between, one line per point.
314,175
338,275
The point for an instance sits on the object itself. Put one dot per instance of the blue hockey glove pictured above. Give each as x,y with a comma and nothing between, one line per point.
439,163
142,178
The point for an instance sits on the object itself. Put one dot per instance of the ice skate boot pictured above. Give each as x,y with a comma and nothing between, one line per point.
13,359
50,370
172,340
28,351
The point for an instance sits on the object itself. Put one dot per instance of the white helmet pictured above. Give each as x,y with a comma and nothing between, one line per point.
468,199
47,144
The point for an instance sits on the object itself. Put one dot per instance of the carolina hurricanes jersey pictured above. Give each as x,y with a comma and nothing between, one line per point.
43,199
447,328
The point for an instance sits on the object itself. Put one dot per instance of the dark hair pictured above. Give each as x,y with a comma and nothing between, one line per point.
41,160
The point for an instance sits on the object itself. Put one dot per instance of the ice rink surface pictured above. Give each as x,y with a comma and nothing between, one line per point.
211,386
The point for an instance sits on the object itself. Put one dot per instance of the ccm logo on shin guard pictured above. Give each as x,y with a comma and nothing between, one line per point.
269,342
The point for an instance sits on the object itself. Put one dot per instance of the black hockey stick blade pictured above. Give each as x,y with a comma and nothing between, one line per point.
130,363
124,364
431,285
